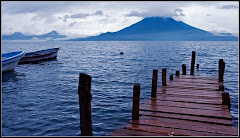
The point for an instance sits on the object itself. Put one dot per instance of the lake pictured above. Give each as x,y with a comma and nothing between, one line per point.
42,99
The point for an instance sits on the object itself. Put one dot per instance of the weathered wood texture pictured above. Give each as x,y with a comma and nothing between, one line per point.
154,83
164,79
188,106
85,97
221,68
192,63
184,69
136,101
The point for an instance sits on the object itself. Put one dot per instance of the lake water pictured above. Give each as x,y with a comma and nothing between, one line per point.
42,99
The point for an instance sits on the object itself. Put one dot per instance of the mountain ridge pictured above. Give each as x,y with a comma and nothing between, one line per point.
19,36
148,29
158,29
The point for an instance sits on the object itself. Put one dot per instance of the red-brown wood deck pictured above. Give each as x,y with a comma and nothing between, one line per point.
188,106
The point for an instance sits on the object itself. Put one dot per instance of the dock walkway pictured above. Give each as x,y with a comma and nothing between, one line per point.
187,106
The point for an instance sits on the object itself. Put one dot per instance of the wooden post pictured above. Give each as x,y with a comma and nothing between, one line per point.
226,99
192,63
171,77
183,69
136,101
154,82
221,68
221,88
164,73
85,97
177,73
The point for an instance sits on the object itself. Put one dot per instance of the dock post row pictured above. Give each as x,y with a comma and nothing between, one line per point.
84,92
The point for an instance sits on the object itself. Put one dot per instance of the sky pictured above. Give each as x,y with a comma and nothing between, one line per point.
77,19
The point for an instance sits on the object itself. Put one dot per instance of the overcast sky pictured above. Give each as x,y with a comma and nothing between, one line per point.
87,18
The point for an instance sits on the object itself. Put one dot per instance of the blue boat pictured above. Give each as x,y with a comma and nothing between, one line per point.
10,60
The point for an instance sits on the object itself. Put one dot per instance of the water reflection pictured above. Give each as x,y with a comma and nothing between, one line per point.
11,76
41,62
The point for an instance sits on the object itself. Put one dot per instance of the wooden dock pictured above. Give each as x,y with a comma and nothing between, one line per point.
187,106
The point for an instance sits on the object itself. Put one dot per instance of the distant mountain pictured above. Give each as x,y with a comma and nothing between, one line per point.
158,29
19,36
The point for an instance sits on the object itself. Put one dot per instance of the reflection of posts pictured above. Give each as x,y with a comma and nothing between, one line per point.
221,68
192,63
85,97
136,101
154,82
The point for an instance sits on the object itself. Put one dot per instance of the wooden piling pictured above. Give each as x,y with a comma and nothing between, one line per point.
154,82
85,97
136,101
192,63
221,88
183,69
221,68
177,73
226,99
164,73
171,77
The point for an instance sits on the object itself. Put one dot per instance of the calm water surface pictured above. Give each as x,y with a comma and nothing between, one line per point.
42,99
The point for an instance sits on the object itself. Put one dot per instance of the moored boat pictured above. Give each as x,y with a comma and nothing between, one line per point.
33,57
10,60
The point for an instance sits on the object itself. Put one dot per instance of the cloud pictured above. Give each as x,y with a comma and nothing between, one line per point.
37,18
104,20
72,24
99,12
178,12
79,15
24,7
64,18
8,29
228,7
50,19
41,7
146,14
135,13
74,16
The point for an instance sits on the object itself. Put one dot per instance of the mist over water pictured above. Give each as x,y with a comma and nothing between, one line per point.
42,99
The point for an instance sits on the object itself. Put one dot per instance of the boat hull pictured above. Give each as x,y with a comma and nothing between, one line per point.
34,57
10,66
9,63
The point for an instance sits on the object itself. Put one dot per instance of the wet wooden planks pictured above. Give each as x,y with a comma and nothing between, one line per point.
188,106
